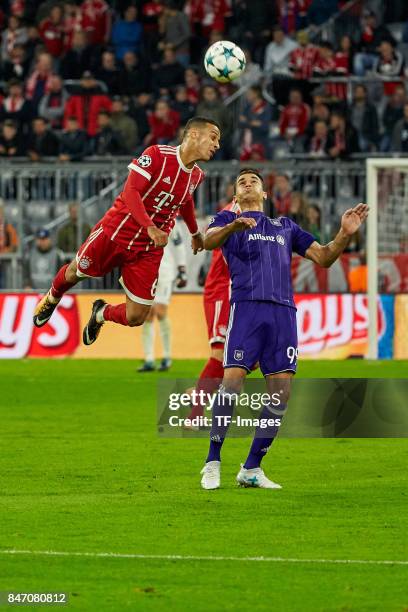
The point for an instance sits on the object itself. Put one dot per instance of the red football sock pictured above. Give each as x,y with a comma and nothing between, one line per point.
209,381
117,314
60,285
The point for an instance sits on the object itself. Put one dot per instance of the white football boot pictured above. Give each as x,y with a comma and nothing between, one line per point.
255,478
211,475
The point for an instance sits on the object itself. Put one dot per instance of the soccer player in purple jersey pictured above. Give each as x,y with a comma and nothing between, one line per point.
262,322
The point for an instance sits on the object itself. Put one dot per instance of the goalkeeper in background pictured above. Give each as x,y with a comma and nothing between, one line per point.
174,258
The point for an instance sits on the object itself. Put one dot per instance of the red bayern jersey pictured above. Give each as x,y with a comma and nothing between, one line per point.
166,187
302,61
217,283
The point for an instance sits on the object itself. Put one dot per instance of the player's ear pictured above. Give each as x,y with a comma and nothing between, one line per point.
265,195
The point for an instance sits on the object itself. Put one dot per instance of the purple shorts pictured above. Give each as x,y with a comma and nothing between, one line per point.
264,332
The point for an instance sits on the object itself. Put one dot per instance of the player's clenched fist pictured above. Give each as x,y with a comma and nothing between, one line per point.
159,237
243,223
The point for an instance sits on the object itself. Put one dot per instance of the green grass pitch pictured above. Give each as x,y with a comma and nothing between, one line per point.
83,470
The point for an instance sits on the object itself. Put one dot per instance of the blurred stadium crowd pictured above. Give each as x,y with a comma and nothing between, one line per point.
108,78
92,80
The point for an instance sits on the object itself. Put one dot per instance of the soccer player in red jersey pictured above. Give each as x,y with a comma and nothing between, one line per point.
133,232
216,308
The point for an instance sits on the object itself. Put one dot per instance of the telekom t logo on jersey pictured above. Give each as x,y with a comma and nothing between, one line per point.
163,199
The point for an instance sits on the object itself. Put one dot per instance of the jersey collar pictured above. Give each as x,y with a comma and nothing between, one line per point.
181,163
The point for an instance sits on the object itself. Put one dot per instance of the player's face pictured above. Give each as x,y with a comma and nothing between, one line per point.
249,188
207,142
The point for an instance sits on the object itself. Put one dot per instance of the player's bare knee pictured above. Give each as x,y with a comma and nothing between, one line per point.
135,319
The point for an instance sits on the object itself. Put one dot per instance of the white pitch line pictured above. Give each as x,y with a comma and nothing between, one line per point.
56,553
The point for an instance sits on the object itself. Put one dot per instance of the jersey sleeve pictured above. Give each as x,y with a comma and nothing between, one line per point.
222,218
301,240
143,168
187,213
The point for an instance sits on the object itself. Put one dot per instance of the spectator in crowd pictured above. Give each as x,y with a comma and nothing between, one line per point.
96,21
393,112
389,63
182,105
254,121
254,21
320,11
168,74
364,119
127,33
281,195
345,54
15,106
293,14
320,112
53,103
34,43
192,83
151,15
372,35
211,106
205,18
73,142
342,140
39,81
52,31
87,103
108,73
14,34
78,58
295,116
42,142
302,61
106,140
278,52
175,30
328,63
399,140
164,123
316,145
297,208
11,144
72,24
41,262
125,127
312,222
67,238
17,66
139,109
9,240
134,76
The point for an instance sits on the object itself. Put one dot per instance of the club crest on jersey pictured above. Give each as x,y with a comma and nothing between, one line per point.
85,262
280,239
275,222
238,355
144,161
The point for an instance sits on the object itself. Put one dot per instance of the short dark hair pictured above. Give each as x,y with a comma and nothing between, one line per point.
199,121
250,171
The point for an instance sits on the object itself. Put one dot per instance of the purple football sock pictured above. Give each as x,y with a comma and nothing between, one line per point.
222,412
263,437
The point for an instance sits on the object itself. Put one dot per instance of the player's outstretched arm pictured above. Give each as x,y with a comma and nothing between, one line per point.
216,236
325,255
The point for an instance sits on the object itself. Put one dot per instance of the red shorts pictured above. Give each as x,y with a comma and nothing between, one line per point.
98,255
217,315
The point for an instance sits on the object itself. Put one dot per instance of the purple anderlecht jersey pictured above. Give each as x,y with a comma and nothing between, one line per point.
259,259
